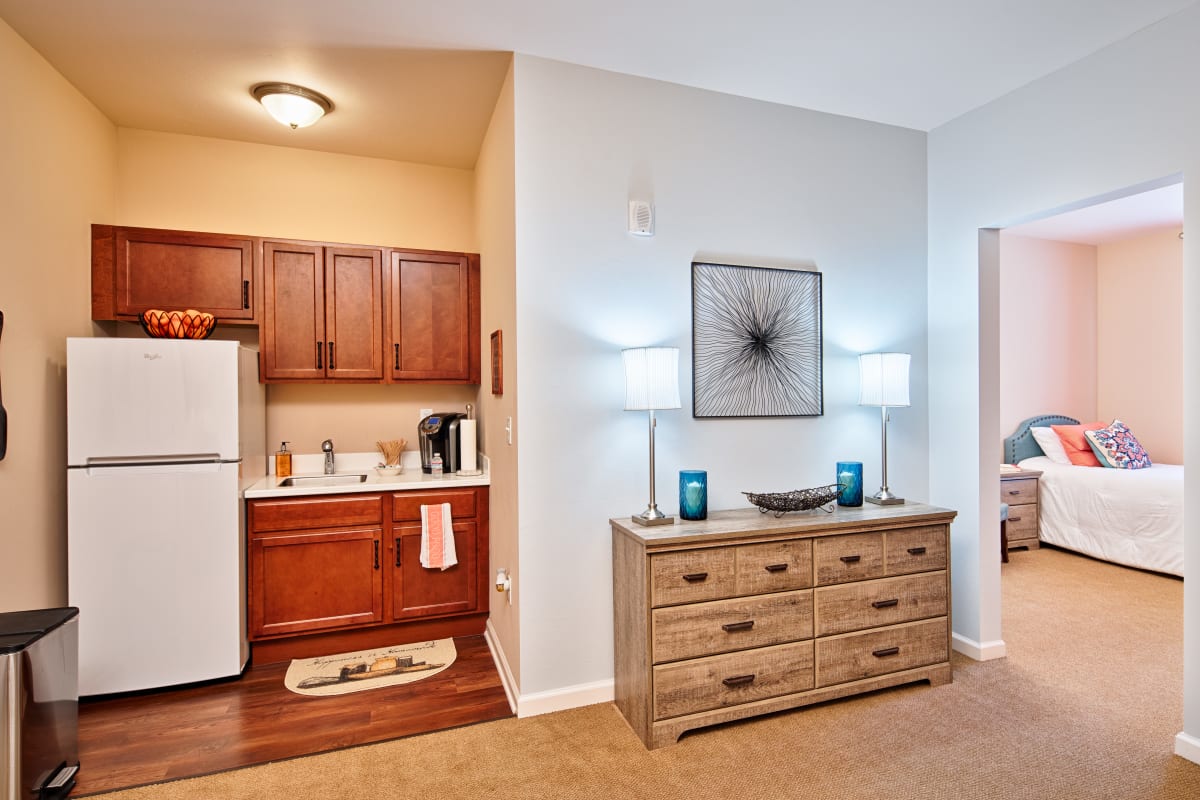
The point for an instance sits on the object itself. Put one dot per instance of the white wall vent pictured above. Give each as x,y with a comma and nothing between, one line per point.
641,218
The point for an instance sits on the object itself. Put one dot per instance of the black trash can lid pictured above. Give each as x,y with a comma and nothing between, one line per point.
19,629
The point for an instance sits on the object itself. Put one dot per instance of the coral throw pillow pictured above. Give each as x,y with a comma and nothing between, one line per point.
1079,451
1116,446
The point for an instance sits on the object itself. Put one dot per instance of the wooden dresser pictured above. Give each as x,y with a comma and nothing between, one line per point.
745,613
1020,490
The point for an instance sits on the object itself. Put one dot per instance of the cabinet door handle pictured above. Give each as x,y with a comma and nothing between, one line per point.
331,361
396,351
320,351
916,551
885,652
776,567
730,627
895,601
245,294
397,551
376,554
851,559
695,577
739,680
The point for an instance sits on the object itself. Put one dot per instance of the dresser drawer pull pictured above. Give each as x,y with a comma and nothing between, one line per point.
895,601
916,551
776,567
739,680
695,577
851,559
1014,519
885,652
1014,491
730,627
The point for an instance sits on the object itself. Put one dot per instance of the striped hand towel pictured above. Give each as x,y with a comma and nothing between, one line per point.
437,537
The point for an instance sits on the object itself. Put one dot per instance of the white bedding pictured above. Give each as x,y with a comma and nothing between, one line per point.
1128,516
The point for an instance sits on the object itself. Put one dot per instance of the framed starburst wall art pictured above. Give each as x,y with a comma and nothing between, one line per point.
756,342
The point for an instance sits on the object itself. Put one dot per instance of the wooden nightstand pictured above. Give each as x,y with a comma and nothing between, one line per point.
1020,490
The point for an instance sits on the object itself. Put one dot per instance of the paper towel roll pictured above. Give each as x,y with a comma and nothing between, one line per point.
467,445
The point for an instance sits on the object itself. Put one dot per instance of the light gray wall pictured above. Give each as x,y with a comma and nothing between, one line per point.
1125,116
730,178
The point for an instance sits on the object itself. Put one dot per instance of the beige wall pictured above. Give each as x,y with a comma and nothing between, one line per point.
1140,340
495,187
57,167
195,183
1047,330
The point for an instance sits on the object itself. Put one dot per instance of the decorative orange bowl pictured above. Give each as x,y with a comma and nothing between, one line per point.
189,324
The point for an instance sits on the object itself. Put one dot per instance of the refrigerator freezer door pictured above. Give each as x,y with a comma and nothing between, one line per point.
151,399
155,565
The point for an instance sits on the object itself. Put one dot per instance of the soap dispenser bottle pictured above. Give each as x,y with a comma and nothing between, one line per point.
283,462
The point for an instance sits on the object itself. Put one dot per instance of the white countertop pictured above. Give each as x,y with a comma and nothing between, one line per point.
411,478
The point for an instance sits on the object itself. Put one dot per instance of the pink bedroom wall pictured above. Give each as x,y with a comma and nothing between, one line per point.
1140,340
1048,349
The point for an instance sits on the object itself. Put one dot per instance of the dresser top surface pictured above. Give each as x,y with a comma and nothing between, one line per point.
741,522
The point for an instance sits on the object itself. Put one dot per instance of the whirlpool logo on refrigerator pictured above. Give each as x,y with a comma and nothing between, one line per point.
152,356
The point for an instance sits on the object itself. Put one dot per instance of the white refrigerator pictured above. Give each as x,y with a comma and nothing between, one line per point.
163,437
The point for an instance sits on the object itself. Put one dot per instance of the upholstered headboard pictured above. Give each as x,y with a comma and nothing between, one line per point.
1021,443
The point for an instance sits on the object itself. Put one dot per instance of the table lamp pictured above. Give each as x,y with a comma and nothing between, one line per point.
651,383
883,382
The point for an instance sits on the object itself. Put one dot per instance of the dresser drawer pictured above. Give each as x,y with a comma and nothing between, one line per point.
406,506
839,559
704,629
702,684
690,576
774,567
915,550
1019,491
864,655
871,604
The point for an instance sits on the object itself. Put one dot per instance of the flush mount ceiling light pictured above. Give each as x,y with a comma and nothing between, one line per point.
292,105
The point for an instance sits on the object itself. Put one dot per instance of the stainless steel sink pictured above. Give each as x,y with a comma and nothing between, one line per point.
325,480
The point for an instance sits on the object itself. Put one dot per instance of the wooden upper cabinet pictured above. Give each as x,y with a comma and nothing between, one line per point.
322,313
134,269
433,317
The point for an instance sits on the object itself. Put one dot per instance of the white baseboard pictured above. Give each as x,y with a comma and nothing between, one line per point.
1187,747
506,676
531,705
980,651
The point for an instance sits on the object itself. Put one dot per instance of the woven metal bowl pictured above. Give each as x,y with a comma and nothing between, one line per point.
798,500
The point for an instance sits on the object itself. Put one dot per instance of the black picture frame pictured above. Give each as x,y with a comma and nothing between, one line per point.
756,342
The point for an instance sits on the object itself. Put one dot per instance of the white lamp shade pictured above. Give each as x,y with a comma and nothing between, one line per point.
292,109
883,379
651,378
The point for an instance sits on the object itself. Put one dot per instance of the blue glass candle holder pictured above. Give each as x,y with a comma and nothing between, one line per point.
693,494
849,478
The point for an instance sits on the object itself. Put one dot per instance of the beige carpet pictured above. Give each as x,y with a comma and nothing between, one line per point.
1085,707
326,676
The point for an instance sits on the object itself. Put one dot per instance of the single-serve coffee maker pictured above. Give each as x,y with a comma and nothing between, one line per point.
438,434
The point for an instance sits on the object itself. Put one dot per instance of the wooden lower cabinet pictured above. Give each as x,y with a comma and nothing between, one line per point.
745,614
343,571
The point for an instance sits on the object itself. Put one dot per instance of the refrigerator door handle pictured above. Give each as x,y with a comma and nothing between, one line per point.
172,459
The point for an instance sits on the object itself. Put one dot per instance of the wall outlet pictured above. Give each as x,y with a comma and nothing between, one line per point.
425,412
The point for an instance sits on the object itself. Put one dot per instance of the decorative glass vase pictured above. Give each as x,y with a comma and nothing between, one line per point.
693,494
849,478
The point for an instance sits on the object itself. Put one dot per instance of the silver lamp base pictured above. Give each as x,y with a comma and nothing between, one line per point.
884,498
652,516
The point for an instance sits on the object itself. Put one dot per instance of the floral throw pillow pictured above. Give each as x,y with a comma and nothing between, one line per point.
1116,446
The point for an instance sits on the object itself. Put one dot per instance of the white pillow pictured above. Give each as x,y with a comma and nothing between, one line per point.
1051,445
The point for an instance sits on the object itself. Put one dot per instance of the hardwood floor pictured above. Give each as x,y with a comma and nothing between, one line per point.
148,738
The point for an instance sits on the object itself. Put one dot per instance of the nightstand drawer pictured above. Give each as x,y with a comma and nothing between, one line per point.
722,626
690,576
1022,523
877,652
1019,491
839,559
871,604
729,680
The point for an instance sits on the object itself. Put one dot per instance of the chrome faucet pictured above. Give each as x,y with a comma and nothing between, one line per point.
327,446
